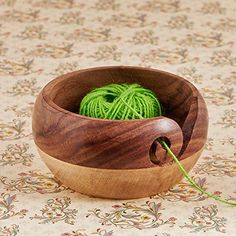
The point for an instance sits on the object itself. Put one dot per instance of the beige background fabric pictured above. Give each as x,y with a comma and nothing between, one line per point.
41,39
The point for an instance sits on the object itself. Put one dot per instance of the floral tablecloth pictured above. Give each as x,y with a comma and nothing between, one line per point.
41,39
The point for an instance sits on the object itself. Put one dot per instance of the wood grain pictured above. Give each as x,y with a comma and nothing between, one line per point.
118,184
107,144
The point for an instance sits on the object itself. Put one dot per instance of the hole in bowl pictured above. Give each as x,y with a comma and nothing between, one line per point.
158,155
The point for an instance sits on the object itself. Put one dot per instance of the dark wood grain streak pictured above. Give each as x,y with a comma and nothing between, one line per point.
107,144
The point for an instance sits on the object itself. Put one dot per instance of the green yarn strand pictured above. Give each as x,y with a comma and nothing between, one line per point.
127,102
190,180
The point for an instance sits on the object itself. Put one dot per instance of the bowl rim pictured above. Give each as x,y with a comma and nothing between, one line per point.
46,90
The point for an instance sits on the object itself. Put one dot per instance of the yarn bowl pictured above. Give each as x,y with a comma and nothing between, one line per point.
119,159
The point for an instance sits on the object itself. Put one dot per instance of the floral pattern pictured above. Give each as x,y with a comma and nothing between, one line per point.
71,18
224,24
57,210
204,219
184,192
21,112
169,6
20,16
145,37
12,130
191,74
212,8
99,232
222,57
24,87
175,56
212,40
218,165
43,39
13,230
180,22
56,4
16,154
222,96
123,20
7,207
90,35
33,32
32,182
228,119
107,5
67,67
53,51
23,67
128,215
107,53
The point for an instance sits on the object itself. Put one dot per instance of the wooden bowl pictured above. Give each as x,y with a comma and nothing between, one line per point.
118,159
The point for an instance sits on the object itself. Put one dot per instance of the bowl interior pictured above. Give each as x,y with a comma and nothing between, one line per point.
174,93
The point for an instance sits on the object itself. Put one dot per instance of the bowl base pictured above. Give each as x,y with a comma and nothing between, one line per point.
118,184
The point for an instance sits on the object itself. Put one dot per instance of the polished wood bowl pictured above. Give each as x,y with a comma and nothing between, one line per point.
119,159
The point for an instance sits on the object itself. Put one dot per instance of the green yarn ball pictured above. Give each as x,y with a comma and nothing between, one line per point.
120,102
